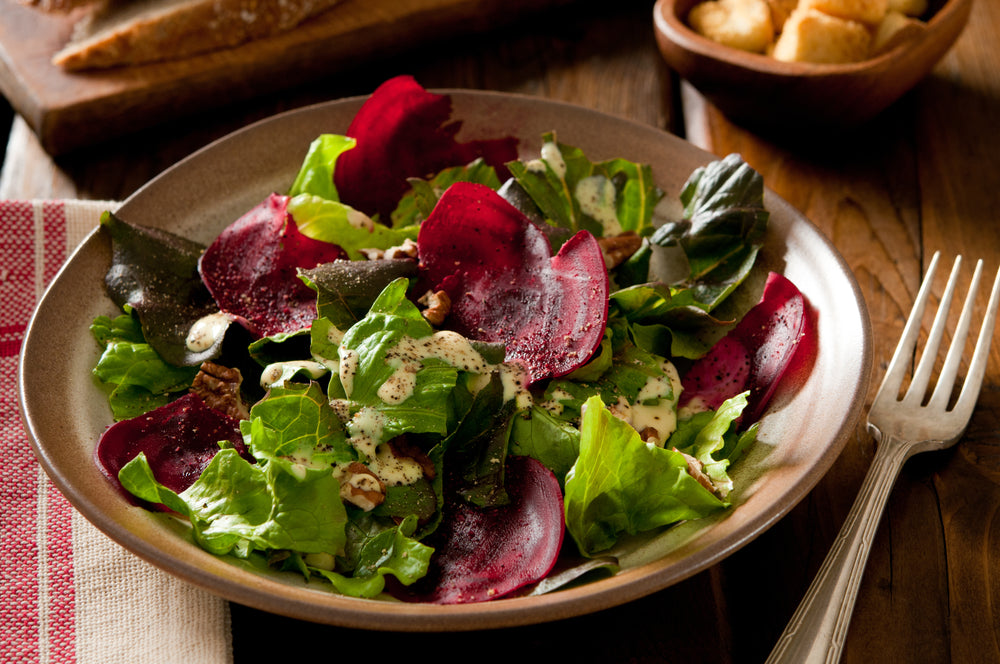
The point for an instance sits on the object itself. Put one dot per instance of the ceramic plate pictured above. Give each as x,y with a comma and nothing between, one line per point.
800,437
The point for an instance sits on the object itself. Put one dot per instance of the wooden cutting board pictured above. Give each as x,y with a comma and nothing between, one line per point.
71,110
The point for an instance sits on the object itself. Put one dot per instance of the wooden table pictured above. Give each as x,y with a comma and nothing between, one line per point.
923,177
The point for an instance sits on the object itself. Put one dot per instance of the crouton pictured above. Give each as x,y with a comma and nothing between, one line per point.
780,11
894,29
812,36
914,8
869,12
742,24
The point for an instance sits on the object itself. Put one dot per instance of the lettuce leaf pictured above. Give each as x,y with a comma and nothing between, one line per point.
137,378
378,552
620,485
605,198
336,223
722,229
711,437
236,507
295,427
316,173
369,343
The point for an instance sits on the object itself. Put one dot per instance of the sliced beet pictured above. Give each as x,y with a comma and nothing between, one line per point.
505,285
251,267
720,374
179,440
403,131
486,553
770,339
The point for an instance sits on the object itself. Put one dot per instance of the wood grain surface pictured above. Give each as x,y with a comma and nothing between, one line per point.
68,110
921,177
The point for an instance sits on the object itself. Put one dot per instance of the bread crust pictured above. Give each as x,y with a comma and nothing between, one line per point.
156,30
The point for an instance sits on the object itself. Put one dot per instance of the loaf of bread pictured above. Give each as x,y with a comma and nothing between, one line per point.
130,32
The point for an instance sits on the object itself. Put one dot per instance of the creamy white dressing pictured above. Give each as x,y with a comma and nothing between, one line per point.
359,220
663,415
206,332
348,367
275,374
514,379
551,157
407,356
394,470
366,430
596,195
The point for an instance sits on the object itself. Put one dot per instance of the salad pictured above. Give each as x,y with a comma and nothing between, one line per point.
430,369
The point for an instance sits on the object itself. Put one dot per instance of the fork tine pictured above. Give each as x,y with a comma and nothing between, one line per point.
901,357
977,367
922,374
946,380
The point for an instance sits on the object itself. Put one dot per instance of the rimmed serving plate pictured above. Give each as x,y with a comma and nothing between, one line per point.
802,434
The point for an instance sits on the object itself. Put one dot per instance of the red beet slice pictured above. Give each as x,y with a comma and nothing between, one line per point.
250,269
757,353
179,440
505,285
404,131
718,375
486,553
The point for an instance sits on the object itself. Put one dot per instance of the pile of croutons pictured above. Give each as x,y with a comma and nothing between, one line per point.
821,31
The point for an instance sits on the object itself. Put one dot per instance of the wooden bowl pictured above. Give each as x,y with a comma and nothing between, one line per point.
760,92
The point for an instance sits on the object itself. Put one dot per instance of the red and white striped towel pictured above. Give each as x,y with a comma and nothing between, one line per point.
68,594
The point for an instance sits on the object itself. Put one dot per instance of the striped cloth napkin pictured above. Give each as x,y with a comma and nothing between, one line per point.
68,594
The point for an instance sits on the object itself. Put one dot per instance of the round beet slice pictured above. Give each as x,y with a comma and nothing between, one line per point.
486,553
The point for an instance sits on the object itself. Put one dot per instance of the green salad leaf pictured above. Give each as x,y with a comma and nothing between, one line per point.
236,507
620,485
137,378
315,176
336,223
722,228
605,198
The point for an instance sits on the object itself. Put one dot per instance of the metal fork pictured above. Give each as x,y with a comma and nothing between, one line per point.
901,428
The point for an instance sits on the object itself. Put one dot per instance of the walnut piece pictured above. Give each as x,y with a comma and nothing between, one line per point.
619,248
219,387
360,486
438,306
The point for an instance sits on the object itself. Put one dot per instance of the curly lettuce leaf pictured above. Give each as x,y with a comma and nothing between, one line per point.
137,378
295,426
374,552
236,507
621,486
712,438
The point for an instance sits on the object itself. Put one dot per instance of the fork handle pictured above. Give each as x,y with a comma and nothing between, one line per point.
818,628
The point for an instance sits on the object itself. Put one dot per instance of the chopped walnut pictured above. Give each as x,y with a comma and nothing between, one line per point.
618,248
406,250
219,386
372,254
651,435
360,486
694,468
438,306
